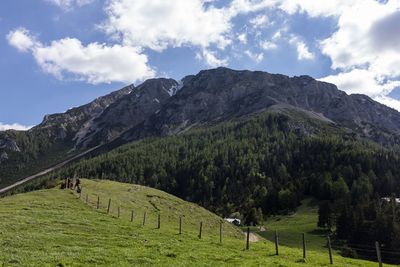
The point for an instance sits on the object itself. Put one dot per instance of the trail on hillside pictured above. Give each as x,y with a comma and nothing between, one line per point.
44,172
252,238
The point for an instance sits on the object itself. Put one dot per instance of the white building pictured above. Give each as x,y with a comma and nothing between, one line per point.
234,221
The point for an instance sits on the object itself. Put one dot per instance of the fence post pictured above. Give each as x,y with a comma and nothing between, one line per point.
248,238
378,253
220,232
276,243
159,221
118,212
132,216
200,229
180,225
66,183
109,205
304,246
144,218
98,202
330,250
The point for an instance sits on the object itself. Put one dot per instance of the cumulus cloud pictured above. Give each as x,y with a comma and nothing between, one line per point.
14,126
94,63
361,81
364,49
168,23
21,39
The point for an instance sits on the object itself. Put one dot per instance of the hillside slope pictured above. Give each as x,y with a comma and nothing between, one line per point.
54,227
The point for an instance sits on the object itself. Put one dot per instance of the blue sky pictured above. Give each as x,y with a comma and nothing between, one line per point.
57,54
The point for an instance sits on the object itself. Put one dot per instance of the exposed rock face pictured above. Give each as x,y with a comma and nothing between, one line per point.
3,156
128,111
62,125
9,144
220,94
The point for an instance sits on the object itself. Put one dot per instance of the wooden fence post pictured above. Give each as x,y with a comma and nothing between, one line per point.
330,250
66,183
144,218
159,221
304,246
98,202
220,232
109,206
276,243
132,216
118,211
180,225
200,229
378,253
248,239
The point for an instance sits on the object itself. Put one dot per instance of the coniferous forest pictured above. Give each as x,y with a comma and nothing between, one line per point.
263,166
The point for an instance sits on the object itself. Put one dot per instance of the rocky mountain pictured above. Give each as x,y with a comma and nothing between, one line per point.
221,94
160,107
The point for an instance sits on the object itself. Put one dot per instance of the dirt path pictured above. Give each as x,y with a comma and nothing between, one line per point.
55,167
252,238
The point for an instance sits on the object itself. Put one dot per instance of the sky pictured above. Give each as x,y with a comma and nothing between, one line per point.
58,54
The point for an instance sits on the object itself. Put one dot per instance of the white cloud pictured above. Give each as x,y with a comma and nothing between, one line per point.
260,21
257,57
169,23
314,8
388,101
21,39
14,126
267,45
364,49
361,81
94,63
303,52
210,58
243,38
69,4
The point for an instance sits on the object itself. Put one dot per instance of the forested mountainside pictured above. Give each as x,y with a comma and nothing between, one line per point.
265,165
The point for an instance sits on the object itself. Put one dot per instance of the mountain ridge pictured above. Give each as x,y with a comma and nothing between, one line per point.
162,107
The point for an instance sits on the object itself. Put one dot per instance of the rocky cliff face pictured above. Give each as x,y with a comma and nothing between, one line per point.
221,94
127,112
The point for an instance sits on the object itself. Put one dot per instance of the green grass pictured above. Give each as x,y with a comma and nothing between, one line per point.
53,227
291,227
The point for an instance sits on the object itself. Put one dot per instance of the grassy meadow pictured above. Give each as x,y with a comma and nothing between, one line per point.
54,227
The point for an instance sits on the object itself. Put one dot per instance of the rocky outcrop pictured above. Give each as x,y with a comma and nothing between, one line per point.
9,144
129,111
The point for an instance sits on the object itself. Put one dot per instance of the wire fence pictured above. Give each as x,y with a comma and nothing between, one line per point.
373,252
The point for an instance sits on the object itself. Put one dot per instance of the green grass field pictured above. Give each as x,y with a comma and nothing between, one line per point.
54,228
291,227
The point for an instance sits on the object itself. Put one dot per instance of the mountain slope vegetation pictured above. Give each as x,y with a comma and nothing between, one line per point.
266,165
53,227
